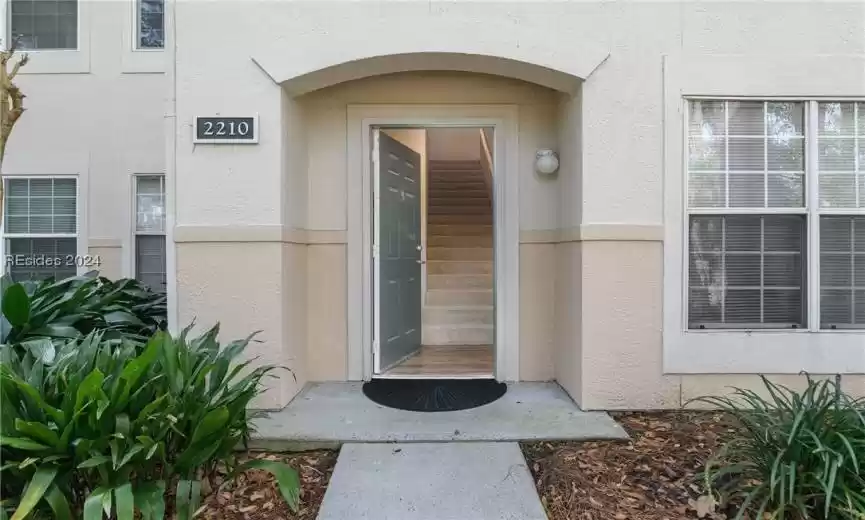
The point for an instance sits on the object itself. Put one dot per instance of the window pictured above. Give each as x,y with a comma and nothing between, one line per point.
150,18
150,231
767,180
841,188
44,24
40,228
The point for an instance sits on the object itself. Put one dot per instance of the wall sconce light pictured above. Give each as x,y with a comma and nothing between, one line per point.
546,162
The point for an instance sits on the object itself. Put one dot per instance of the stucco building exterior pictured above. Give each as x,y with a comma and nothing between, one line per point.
675,124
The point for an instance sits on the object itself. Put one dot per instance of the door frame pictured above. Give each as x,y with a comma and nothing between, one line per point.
360,312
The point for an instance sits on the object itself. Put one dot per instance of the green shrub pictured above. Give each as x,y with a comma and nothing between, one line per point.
108,426
797,455
70,308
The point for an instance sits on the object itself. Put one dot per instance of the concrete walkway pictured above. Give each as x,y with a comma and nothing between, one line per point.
431,481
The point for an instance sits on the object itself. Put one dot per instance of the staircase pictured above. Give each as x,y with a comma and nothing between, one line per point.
459,298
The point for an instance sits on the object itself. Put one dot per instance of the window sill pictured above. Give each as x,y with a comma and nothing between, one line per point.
764,351
57,62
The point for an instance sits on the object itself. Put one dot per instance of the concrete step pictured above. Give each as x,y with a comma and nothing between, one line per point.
459,229
460,210
459,241
459,281
470,334
460,253
458,315
461,219
459,297
459,267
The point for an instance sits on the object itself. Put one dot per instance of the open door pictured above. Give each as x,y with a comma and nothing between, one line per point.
397,250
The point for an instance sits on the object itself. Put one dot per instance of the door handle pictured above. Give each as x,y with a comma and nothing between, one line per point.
420,261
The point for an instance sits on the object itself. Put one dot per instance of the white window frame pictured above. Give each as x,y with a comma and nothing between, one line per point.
54,61
768,351
136,232
136,44
137,60
80,245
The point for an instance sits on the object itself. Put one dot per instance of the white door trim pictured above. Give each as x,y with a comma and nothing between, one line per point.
361,119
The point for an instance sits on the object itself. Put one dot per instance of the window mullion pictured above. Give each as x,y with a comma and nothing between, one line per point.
812,204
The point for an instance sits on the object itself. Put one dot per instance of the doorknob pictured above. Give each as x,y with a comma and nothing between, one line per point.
419,247
420,261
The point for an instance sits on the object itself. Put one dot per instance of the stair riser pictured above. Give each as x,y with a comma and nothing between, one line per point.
445,267
462,281
459,241
459,201
458,194
457,229
460,253
455,165
436,317
467,184
444,335
461,219
459,210
459,297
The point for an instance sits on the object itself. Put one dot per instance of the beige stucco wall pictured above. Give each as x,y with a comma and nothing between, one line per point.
598,223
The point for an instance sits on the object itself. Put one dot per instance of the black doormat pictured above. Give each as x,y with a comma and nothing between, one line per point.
434,395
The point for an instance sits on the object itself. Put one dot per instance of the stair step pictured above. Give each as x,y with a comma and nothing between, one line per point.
459,267
459,194
459,335
461,184
461,219
450,200
459,229
458,315
460,253
459,281
459,210
446,297
459,241
439,164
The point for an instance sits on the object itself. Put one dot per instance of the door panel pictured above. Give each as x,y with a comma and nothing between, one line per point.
399,251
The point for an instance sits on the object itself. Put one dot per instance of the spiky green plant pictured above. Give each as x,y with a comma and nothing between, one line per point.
106,427
797,455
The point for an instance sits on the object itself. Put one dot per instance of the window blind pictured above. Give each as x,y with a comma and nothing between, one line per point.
41,206
40,228
746,267
150,266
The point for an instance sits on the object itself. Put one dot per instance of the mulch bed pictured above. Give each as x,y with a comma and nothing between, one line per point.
655,476
254,494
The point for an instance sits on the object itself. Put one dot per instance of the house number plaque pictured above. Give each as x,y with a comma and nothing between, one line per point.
225,130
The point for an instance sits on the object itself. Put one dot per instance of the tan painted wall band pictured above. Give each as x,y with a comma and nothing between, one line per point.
584,233
595,232
104,242
192,234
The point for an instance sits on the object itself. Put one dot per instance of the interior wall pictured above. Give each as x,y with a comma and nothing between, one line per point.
454,144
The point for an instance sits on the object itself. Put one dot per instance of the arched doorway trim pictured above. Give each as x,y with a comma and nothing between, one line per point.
528,54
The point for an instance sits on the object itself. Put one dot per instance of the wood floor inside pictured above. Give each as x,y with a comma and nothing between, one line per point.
447,361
